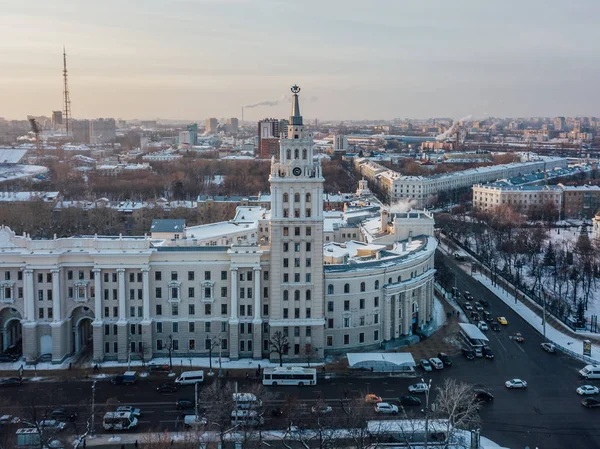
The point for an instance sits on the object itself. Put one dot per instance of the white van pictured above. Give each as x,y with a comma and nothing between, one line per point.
245,401
590,372
190,378
246,417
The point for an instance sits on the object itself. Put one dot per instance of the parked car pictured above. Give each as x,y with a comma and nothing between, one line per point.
62,414
483,326
515,383
484,303
495,327
549,347
591,402
585,390
469,355
127,378
487,353
484,396
487,316
8,358
445,358
386,409
420,387
373,399
323,410
426,365
502,320
184,404
436,363
129,409
158,367
52,424
11,382
410,400
167,387
45,358
194,421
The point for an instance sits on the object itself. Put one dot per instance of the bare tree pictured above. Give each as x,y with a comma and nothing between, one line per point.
169,347
212,343
279,345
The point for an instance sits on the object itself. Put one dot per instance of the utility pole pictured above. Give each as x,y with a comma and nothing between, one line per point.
426,411
93,429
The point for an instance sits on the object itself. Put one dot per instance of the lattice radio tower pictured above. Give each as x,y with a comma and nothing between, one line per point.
67,99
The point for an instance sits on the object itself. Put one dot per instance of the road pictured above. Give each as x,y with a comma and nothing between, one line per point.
548,414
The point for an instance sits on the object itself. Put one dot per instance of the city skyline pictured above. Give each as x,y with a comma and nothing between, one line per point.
193,60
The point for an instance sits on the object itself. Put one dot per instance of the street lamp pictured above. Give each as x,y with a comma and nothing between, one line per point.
93,429
426,411
220,348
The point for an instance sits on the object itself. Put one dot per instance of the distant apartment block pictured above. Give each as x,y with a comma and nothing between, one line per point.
211,125
81,131
340,142
57,118
232,125
422,191
268,138
103,130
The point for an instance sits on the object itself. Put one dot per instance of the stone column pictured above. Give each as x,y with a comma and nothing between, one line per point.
56,296
29,308
385,319
123,340
257,321
146,292
98,335
291,204
233,319
303,203
97,296
122,306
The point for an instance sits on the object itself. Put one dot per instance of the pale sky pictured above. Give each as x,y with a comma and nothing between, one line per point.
192,59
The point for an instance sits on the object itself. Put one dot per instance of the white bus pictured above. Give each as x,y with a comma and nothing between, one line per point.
119,421
290,375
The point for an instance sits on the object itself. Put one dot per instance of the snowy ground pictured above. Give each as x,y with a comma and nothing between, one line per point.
552,334
439,315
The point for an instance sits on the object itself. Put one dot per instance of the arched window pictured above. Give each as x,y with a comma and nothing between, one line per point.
399,278
363,286
308,295
376,285
288,154
296,154
308,198
304,153
346,288
330,289
297,295
285,295
389,280
286,197
296,197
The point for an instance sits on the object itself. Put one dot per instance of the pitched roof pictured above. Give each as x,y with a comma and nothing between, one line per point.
168,225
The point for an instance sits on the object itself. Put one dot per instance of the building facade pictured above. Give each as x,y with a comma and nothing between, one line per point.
235,282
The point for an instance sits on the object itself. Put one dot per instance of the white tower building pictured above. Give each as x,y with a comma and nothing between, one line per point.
297,240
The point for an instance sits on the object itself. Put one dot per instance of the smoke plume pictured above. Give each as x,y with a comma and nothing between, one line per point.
452,129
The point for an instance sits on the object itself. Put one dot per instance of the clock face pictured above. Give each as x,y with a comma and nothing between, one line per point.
297,171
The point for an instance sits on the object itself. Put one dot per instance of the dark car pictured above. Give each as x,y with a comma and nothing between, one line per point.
184,404
470,355
158,367
484,303
495,326
475,316
119,379
168,387
445,358
276,412
8,358
487,352
484,396
591,402
63,415
468,296
410,400
487,316
11,382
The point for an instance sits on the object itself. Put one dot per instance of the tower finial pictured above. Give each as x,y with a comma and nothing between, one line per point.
295,118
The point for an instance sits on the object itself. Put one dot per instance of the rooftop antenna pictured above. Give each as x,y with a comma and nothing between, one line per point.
67,99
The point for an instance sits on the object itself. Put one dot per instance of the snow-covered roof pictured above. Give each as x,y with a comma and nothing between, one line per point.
380,361
11,155
46,197
350,248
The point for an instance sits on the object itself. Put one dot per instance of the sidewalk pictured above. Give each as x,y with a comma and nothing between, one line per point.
556,331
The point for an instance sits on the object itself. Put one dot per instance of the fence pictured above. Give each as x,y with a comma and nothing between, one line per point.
583,358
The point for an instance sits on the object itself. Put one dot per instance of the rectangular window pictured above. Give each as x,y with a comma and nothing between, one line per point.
131,293
285,313
223,309
20,291
159,327
81,276
191,327
224,344
296,277
361,337
223,275
249,310
265,292
19,275
265,309
107,347
265,275
308,231
346,305
308,331
175,345
330,323
308,312
191,309
361,303
114,294
132,329
192,345
286,231
105,277
114,277
174,293
106,294
207,327
207,292
207,275
249,292
70,292
190,275
41,313
242,346
106,329
297,247
132,312
159,345
330,306
296,312
223,326
307,246
297,231
249,275
308,261
158,275
139,293
173,275
191,292
40,295
175,327
139,277
223,292
376,318
376,301
106,312
376,335
158,309
158,293
242,310
115,312
297,262
70,275
285,262
286,277
174,309
286,247
329,340
242,327
346,339
346,322
131,277
207,309
308,277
